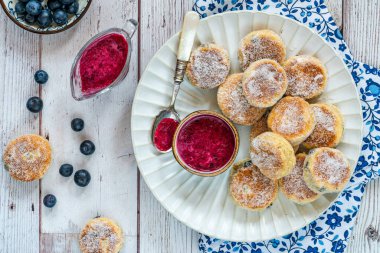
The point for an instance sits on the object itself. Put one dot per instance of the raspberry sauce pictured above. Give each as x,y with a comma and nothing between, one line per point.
102,62
205,143
163,136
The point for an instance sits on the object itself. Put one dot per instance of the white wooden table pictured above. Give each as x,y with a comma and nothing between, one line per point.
116,189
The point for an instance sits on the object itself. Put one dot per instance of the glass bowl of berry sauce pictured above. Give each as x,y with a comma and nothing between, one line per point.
205,143
103,62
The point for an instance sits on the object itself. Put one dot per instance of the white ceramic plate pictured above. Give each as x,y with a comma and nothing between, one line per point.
204,204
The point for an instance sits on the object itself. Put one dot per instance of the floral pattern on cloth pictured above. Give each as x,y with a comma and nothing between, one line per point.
331,231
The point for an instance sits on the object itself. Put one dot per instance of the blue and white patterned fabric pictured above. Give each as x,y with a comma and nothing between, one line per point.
331,231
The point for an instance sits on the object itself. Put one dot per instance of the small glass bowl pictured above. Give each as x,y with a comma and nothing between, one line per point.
197,172
75,79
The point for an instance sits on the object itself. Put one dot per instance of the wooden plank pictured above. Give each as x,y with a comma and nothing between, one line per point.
19,202
361,31
159,231
113,188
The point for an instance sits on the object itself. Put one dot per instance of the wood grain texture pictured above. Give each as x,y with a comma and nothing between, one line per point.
159,231
19,202
112,191
361,31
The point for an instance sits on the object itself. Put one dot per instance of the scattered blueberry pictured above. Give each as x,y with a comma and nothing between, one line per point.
77,124
41,76
33,8
87,147
82,178
50,200
54,4
66,1
34,104
72,8
44,20
30,19
60,17
66,170
20,8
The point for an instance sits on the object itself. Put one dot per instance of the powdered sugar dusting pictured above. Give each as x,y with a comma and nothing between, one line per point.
260,47
305,78
27,157
99,235
264,156
235,105
325,132
209,68
252,189
294,184
264,83
331,166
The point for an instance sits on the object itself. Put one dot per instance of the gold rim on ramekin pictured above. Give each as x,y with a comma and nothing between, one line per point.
233,156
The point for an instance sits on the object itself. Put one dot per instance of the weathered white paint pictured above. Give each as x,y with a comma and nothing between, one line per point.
107,124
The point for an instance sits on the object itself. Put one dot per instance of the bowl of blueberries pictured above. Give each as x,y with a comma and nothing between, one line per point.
45,16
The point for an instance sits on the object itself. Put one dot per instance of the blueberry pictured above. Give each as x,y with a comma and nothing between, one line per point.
66,170
30,19
33,8
67,1
41,76
77,124
82,178
34,104
50,200
87,147
72,8
60,17
44,20
54,4
20,8
24,1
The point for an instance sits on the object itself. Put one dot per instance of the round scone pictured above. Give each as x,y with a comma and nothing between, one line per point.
261,44
326,170
292,118
28,157
293,185
264,83
208,67
272,154
234,105
307,77
101,235
249,188
328,130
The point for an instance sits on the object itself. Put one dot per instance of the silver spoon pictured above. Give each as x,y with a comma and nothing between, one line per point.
189,28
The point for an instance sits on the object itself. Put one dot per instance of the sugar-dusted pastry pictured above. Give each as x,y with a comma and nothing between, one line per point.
307,77
261,126
261,44
249,188
292,118
264,83
272,154
208,67
293,186
234,105
27,157
326,170
328,130
101,235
